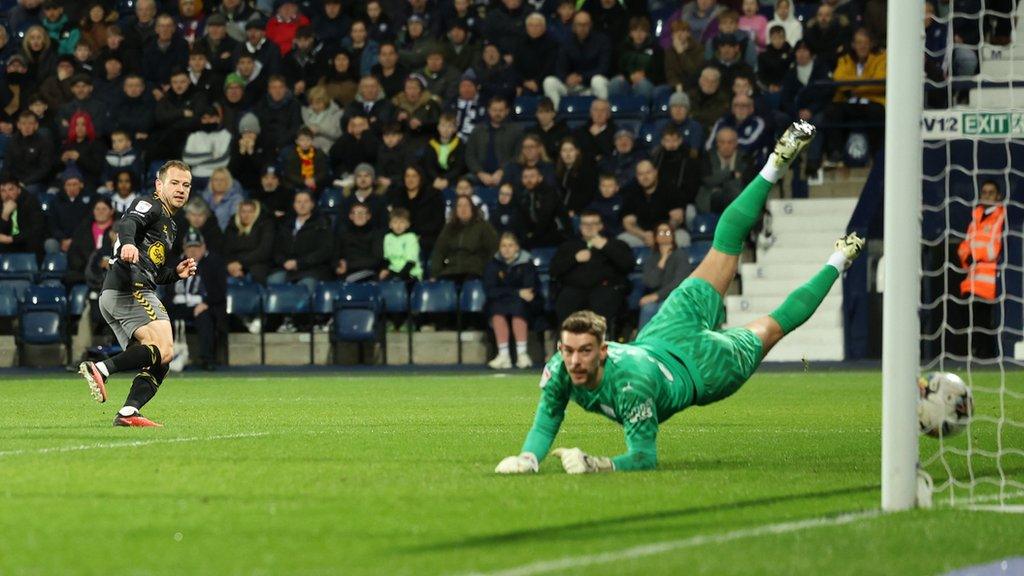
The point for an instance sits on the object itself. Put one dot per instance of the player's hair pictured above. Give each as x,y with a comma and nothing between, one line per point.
586,322
161,174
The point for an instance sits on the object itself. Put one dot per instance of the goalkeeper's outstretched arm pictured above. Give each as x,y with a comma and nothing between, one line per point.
547,421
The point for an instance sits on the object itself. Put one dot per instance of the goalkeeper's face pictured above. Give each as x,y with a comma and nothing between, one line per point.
584,357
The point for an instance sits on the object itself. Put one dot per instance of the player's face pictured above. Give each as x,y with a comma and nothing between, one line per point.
584,358
174,188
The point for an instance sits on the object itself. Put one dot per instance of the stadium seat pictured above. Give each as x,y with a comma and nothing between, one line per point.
45,201
245,299
78,296
629,108
52,298
472,300
659,108
41,318
637,290
633,125
650,132
698,250
17,286
394,296
18,266
8,301
325,295
575,107
544,281
55,266
433,297
703,226
355,325
285,299
642,253
359,295
542,258
488,195
525,107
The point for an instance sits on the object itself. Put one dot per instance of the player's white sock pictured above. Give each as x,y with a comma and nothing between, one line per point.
520,349
103,369
838,261
128,411
771,172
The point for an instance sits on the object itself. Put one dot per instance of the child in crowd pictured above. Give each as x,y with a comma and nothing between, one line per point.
511,284
609,205
121,156
401,249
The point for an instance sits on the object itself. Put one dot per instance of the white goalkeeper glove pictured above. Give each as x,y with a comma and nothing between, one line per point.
525,462
576,461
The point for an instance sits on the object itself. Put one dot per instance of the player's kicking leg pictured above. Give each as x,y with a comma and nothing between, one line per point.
719,267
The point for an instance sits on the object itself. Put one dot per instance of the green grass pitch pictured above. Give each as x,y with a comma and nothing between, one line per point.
392,474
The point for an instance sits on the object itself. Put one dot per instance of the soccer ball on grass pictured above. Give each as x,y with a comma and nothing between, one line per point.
945,405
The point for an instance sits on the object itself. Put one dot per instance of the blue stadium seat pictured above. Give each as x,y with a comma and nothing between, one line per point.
473,297
45,201
330,200
8,302
325,296
78,296
646,313
488,195
703,226
17,286
575,107
650,132
49,298
698,250
55,266
355,325
245,299
394,296
18,266
433,297
637,290
365,295
542,258
544,281
448,194
525,107
633,125
285,299
629,107
42,327
659,108
642,253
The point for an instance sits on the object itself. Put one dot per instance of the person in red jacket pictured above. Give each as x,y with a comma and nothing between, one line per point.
286,22
979,255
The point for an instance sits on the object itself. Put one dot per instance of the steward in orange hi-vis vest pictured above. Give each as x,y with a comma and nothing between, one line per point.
979,252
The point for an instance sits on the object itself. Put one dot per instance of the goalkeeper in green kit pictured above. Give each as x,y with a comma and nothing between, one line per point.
680,358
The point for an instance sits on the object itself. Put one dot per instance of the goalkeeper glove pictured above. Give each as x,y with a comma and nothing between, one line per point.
576,461
525,462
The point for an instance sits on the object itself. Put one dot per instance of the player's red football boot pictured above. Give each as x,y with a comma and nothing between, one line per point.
135,421
94,378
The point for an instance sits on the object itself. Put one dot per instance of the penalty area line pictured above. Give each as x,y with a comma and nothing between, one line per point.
132,444
571,562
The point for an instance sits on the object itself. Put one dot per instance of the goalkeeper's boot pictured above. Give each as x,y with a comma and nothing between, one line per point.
792,143
136,420
850,246
95,379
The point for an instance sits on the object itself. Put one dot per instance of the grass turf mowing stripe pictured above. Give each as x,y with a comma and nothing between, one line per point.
572,562
133,444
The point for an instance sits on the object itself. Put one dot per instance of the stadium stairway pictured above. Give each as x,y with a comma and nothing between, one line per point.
804,230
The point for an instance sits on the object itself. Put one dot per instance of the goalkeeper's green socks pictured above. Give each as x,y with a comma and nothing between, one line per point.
741,215
802,302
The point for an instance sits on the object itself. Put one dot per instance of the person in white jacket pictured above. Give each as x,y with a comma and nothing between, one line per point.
784,17
323,117
208,148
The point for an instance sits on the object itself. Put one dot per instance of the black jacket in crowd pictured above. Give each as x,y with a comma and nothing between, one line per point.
609,266
308,246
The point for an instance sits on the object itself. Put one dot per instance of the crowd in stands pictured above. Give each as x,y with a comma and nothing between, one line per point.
422,139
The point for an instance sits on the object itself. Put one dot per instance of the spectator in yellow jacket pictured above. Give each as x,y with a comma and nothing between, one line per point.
856,104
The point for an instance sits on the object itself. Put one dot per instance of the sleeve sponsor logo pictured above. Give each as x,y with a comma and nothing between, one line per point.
142,207
641,412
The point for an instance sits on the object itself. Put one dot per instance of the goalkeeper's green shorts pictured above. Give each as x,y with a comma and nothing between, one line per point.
687,326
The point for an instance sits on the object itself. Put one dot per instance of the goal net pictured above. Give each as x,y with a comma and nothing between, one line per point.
972,138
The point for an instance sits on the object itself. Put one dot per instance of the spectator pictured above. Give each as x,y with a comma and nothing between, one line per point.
167,52
360,249
122,156
371,103
621,163
551,129
827,34
493,75
140,28
249,155
728,58
191,20
222,195
425,206
597,137
415,43
709,101
40,54
505,215
728,25
560,25
465,245
378,23
125,190
583,63
303,65
89,236
249,242
300,252
85,59
803,98
83,101
754,24
460,48
279,114
468,108
256,44
364,51
333,22
69,209
441,80
676,168
237,14
535,55
273,195
531,153
725,172
341,78
83,150
610,17
364,190
776,59
304,165
641,62
202,75
505,24
285,25
251,76
784,17
177,115
646,202
465,15
576,177
201,299
511,283
857,104
22,225
196,215
388,71
608,204
417,110
209,147
401,248
491,145
358,145
699,15
464,187
541,212
323,117
979,255
29,156
679,118
684,57
60,28
218,44
393,156
591,271
665,269
754,133
444,160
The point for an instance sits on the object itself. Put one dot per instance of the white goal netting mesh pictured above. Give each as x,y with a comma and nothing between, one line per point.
972,134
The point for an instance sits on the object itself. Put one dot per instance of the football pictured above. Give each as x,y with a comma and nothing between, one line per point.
945,404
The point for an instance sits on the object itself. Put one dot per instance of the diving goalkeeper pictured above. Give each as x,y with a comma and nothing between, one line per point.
680,358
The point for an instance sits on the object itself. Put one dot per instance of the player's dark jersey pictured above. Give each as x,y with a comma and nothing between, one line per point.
147,226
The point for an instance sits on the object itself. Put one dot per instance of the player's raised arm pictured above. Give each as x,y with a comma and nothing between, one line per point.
550,413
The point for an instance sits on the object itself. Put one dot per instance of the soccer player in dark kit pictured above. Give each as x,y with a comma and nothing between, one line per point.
129,303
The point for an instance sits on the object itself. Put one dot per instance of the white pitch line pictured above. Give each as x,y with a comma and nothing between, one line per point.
571,562
133,444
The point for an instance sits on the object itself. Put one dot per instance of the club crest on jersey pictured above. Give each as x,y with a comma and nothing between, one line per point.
142,207
157,253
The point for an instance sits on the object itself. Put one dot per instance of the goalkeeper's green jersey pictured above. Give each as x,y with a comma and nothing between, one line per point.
642,386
